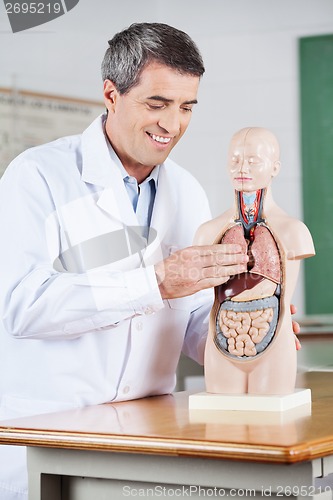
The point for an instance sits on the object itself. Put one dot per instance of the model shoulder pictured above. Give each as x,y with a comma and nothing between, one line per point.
211,231
294,235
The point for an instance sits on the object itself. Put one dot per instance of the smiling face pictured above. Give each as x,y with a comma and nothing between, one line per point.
144,124
253,159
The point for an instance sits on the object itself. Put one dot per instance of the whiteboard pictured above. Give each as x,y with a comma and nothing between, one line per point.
28,119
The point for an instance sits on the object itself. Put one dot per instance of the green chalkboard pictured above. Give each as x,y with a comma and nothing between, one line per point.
316,90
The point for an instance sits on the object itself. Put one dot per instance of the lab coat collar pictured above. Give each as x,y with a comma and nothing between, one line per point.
100,169
97,165
165,203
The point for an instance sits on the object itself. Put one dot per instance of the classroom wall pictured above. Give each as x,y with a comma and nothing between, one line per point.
250,49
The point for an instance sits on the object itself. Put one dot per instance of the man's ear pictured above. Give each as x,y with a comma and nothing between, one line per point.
110,95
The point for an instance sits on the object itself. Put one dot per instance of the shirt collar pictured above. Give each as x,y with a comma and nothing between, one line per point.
125,175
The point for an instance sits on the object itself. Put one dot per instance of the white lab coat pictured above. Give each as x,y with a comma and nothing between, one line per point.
83,320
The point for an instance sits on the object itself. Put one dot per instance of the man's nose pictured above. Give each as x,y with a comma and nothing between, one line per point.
170,121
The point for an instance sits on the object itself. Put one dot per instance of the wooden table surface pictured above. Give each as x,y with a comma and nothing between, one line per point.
164,425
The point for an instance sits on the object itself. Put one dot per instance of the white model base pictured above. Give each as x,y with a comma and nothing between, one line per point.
249,402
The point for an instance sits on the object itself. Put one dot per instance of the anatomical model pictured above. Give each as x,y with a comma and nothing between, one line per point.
250,346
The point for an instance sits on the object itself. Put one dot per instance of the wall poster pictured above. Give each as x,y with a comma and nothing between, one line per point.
28,119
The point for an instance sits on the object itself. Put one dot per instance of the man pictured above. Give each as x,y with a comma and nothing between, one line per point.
101,289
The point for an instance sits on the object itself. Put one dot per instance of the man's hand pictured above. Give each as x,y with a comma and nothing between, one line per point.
296,328
198,267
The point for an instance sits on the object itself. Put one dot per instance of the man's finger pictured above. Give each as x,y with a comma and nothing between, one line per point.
224,248
212,272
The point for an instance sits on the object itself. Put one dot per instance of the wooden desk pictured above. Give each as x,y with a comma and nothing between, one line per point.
119,450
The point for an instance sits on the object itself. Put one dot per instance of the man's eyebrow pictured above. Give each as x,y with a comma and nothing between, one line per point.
166,100
193,101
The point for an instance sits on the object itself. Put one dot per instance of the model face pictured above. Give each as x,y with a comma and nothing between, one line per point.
252,160
146,123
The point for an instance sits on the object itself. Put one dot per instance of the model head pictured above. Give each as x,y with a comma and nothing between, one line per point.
132,49
253,159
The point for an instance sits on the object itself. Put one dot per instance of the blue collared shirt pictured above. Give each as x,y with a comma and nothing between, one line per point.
142,195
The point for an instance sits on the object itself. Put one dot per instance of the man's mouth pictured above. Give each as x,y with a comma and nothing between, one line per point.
160,139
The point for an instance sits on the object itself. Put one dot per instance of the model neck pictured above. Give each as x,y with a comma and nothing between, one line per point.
250,209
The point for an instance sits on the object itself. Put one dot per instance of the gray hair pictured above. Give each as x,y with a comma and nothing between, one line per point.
133,48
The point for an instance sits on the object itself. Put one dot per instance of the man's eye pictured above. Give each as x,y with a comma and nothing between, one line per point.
155,106
187,110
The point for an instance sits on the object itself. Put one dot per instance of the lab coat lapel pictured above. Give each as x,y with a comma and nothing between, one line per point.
165,204
98,168
162,217
115,201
